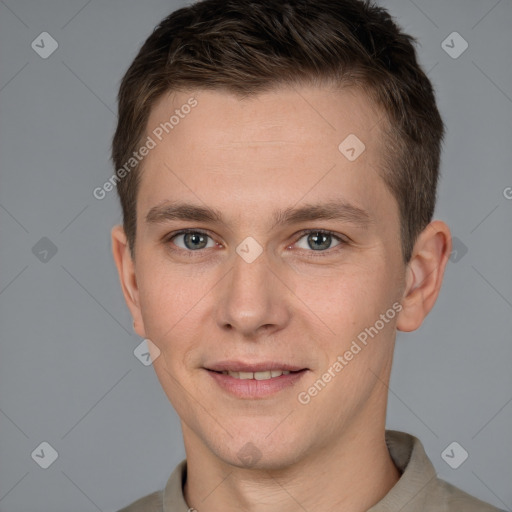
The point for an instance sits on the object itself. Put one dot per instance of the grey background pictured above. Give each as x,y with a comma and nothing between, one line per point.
68,375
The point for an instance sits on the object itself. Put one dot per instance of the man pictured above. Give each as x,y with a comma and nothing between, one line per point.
277,164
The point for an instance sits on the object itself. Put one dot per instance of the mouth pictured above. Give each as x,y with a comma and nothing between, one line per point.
255,380
264,375
258,371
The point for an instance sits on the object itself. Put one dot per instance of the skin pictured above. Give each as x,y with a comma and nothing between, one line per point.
247,158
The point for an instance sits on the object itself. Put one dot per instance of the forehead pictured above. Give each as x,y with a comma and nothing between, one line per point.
276,146
292,113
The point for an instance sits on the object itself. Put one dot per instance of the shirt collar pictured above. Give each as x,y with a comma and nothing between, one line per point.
418,474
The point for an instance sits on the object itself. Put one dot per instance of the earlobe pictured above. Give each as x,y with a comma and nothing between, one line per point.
424,275
127,276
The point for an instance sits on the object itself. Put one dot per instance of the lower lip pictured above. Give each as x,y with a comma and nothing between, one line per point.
252,388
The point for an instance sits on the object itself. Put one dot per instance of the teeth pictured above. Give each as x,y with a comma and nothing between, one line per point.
265,375
262,375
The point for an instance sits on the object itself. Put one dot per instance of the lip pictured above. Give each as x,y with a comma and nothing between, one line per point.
256,389
240,366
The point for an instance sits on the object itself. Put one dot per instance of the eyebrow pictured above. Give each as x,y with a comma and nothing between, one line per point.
330,210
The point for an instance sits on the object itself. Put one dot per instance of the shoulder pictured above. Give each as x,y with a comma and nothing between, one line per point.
150,503
169,500
419,487
449,498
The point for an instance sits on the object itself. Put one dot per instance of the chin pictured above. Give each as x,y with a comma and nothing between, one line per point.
260,452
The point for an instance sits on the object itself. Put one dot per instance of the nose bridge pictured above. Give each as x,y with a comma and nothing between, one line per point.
251,297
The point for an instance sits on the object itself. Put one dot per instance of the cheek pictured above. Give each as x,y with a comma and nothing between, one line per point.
168,299
347,299
168,305
350,304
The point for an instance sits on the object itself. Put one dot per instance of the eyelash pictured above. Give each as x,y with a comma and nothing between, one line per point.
309,254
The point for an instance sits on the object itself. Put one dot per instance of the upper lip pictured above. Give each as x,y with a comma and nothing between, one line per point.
240,366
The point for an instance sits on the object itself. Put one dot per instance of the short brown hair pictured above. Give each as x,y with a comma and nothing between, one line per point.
250,46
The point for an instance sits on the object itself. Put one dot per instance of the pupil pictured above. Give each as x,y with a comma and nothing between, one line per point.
323,238
194,241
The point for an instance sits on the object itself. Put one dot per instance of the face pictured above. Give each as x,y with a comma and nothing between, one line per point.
291,253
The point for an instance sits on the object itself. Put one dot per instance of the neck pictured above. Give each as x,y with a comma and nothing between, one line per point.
352,476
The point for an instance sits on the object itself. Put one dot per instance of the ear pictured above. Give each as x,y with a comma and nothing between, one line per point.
126,269
424,275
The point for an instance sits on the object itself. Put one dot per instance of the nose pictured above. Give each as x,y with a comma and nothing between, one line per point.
253,299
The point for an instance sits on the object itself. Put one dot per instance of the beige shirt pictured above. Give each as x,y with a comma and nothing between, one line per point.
418,488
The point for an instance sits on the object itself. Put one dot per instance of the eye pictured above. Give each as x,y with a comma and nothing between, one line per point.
318,240
192,240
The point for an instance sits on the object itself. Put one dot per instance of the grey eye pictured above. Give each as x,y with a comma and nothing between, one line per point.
317,241
193,241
